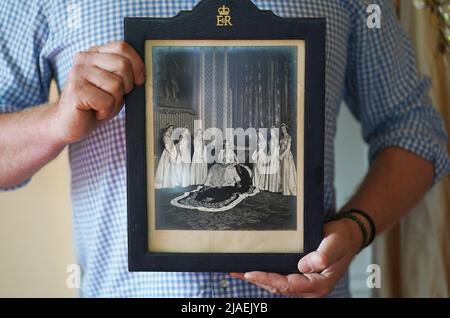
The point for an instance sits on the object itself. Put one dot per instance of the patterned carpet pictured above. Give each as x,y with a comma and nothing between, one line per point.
262,212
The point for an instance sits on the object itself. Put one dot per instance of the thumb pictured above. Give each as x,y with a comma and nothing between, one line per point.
330,250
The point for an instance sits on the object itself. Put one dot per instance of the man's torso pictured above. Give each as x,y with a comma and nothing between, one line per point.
98,163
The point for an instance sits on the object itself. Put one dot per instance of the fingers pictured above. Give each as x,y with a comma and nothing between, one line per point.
95,87
89,83
299,285
293,284
108,82
314,262
275,283
93,98
124,50
112,69
112,63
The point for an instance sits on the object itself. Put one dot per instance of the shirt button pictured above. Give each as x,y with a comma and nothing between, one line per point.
224,283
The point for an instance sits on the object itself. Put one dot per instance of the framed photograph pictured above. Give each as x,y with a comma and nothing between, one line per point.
225,140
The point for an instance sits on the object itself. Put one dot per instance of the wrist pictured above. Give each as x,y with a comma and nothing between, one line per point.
54,133
347,232
353,232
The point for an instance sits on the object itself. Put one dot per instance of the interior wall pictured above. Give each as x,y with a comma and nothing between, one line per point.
351,165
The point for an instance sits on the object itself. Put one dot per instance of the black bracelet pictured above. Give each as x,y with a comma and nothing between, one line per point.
373,228
349,215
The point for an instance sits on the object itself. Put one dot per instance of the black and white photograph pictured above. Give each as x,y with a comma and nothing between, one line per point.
225,137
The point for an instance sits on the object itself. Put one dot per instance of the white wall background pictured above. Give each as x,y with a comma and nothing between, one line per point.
36,235
351,166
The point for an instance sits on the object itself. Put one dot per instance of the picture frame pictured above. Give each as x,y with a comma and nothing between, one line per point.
225,64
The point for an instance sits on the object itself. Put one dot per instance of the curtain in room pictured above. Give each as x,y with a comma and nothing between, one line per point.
261,89
415,254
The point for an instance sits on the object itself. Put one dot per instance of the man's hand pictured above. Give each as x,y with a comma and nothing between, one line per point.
92,95
94,90
320,270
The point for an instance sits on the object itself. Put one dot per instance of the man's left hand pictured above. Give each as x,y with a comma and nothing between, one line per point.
320,270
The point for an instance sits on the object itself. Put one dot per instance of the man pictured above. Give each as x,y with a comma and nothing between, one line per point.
372,69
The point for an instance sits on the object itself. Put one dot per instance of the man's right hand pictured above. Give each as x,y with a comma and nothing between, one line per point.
93,93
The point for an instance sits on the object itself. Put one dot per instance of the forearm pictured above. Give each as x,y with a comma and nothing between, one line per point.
27,143
395,183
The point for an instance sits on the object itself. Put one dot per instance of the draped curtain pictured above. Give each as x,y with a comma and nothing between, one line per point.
261,88
415,254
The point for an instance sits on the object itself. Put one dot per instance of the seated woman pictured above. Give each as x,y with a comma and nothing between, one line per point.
222,175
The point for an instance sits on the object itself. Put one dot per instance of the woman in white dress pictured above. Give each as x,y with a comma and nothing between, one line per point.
259,158
288,171
273,178
222,175
184,158
166,172
199,166
227,155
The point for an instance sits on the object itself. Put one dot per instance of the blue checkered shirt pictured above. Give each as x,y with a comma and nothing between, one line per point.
373,70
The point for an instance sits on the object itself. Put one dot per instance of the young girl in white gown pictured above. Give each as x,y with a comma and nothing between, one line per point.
288,171
273,181
184,159
199,167
166,172
260,160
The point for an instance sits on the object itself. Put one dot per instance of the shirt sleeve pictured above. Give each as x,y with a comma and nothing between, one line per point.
24,72
387,95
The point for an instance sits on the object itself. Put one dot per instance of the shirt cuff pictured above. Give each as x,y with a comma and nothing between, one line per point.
417,143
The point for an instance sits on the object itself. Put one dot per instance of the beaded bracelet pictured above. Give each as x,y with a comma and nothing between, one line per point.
349,215
373,228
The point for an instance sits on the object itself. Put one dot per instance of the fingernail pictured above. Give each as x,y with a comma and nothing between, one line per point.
248,276
305,266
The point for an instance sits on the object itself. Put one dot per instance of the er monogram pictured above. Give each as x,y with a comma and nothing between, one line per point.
224,18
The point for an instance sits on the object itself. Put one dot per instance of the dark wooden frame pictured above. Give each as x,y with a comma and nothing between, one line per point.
248,23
